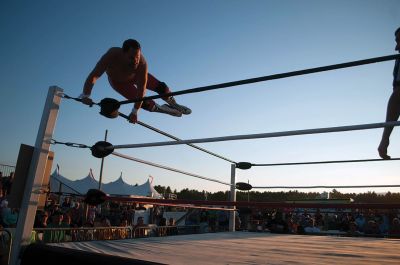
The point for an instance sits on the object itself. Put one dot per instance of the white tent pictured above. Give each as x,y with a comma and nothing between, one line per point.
118,187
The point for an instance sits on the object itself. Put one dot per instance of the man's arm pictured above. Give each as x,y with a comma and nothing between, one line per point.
141,83
95,74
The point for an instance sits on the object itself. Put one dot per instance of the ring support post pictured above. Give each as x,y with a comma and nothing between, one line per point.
36,173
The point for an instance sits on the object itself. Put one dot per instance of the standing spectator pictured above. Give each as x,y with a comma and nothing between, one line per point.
76,214
66,204
91,214
6,183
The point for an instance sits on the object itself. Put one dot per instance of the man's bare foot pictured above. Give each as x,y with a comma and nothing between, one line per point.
382,149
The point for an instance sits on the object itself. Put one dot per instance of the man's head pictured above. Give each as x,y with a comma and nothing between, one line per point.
131,49
397,34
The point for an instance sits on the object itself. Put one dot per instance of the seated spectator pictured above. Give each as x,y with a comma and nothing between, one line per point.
171,222
11,218
360,221
353,229
310,227
41,219
123,233
139,228
172,230
105,222
5,210
55,235
383,223
66,223
372,228
223,220
163,221
394,229
238,221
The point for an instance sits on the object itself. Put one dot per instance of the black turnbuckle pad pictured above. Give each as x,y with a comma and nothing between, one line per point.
243,186
102,149
109,107
95,197
243,165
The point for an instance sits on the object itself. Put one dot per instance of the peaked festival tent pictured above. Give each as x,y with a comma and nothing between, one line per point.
117,187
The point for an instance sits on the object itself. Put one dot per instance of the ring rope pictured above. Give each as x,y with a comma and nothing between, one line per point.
76,145
265,135
168,168
269,77
328,187
324,162
160,132
289,204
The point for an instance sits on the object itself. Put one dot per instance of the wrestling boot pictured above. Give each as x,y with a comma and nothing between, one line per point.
167,109
182,109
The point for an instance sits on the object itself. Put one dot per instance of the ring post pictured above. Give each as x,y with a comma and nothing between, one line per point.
233,199
36,173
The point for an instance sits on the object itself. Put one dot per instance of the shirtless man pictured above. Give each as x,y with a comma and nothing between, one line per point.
126,69
393,108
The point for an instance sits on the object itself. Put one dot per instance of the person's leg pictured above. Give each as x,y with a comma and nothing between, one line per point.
129,91
154,85
392,114
160,88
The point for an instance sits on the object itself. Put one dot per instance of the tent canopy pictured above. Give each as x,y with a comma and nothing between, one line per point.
117,187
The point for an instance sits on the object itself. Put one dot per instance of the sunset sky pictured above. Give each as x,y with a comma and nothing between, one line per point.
189,44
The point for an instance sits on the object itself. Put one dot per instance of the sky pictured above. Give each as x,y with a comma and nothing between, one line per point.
188,44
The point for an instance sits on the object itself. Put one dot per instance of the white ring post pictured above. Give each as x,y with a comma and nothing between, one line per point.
35,176
232,198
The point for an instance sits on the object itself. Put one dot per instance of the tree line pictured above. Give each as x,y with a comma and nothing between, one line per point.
270,196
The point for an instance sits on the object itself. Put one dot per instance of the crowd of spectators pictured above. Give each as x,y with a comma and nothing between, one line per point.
377,223
123,220
71,212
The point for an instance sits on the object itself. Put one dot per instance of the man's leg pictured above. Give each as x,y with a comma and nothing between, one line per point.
129,91
152,106
155,85
392,114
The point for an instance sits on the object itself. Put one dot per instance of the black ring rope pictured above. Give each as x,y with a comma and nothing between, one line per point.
331,187
323,162
52,141
269,77
159,131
